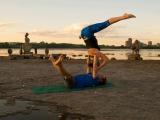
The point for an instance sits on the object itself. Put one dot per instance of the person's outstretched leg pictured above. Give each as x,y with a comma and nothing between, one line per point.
119,18
88,32
59,67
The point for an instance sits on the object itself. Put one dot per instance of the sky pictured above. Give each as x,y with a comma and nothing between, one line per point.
61,21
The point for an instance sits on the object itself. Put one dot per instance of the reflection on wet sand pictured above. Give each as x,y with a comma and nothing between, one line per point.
10,109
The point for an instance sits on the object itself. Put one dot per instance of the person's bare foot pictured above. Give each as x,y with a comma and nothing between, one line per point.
51,58
127,16
57,61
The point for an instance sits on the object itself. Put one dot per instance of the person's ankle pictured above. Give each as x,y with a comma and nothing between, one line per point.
125,16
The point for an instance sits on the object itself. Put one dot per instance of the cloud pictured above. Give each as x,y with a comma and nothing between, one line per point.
44,33
115,31
2,25
70,31
73,28
6,26
73,31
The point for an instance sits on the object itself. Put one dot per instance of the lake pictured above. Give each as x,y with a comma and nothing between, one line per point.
120,54
14,109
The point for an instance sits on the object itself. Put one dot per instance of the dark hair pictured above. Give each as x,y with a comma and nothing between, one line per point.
90,64
26,34
103,81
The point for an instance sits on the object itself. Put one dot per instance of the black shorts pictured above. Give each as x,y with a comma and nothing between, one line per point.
92,43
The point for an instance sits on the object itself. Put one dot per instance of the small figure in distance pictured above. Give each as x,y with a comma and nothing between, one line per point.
135,47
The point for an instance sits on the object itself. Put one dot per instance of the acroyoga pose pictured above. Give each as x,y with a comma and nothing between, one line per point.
79,80
87,34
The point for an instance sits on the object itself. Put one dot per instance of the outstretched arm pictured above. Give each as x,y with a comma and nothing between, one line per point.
94,73
89,65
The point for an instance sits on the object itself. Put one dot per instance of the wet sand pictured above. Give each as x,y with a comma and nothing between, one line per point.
134,96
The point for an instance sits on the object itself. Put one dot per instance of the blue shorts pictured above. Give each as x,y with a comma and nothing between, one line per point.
89,31
85,80
87,34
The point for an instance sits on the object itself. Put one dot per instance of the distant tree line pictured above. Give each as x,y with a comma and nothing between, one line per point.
40,45
66,45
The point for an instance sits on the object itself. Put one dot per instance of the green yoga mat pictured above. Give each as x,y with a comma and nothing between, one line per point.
62,88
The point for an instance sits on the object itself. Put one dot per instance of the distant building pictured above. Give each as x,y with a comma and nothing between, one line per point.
128,43
158,44
149,43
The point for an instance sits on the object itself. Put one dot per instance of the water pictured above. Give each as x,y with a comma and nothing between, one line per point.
12,109
120,54
25,110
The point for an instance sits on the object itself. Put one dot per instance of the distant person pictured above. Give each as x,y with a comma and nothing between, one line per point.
78,81
87,34
27,46
35,50
136,47
27,40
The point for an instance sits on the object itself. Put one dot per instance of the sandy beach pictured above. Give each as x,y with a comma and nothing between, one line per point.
135,94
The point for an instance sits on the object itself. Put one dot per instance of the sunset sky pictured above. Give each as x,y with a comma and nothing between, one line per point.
60,21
